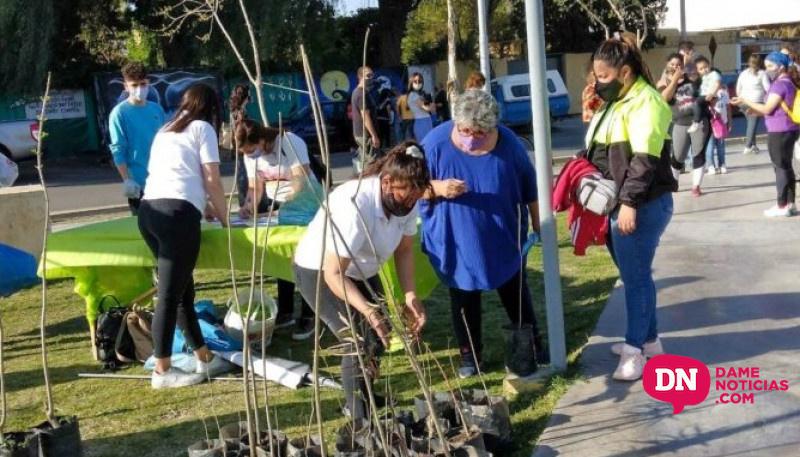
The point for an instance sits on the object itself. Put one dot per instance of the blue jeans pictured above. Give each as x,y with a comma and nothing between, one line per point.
634,255
717,145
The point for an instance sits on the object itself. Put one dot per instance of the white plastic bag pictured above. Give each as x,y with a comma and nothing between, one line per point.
8,171
233,320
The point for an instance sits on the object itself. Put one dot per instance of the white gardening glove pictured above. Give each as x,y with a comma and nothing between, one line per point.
131,189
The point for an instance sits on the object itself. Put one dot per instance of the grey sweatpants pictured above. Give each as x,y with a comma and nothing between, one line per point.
682,139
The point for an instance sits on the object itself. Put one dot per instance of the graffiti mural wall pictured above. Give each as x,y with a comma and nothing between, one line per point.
166,89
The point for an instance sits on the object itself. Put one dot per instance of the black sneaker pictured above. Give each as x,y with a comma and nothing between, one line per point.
284,321
303,330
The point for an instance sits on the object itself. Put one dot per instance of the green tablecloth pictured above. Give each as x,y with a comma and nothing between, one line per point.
111,258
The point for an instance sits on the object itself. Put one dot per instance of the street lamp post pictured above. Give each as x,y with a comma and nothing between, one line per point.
534,16
483,39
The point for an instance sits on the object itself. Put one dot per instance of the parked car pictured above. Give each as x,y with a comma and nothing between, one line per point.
513,96
18,139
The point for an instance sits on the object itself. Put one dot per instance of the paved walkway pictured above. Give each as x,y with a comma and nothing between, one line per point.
729,295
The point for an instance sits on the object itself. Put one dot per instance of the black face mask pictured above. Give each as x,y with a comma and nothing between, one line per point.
393,207
608,91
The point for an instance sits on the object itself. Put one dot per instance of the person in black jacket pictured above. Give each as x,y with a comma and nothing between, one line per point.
628,143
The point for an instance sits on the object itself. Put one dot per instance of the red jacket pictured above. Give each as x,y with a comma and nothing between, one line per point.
586,227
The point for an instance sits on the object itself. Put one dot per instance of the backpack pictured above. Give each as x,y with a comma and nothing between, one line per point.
135,339
107,329
794,112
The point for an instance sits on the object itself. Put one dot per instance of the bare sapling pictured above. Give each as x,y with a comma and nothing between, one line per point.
49,409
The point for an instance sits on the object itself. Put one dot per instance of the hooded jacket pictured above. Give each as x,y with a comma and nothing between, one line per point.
630,144
587,228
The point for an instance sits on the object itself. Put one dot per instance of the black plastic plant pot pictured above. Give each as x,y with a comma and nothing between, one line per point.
207,448
460,437
19,444
304,447
232,433
263,448
520,352
62,439
354,439
491,415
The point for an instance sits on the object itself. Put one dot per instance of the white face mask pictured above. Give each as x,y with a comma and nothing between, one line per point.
139,93
417,86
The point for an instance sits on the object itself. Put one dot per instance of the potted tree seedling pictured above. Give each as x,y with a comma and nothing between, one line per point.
58,436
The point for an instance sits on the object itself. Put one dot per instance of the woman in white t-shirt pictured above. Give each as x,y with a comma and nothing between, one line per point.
752,85
370,221
183,183
272,155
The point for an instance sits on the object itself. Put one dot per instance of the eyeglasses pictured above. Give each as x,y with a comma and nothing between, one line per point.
472,132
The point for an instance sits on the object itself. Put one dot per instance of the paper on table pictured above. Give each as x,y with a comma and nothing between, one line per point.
284,188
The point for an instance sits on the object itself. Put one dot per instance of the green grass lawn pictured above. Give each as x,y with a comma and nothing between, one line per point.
127,418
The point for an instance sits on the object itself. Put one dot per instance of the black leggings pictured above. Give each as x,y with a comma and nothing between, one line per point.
331,311
510,293
781,149
171,229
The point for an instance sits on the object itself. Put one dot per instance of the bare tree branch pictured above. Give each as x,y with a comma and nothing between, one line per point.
615,9
594,17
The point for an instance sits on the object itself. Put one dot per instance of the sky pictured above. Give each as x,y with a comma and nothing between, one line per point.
350,6
730,14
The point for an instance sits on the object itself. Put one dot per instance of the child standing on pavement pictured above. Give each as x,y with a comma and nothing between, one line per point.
132,125
721,123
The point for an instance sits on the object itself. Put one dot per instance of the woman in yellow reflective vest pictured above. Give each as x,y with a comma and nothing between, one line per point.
628,142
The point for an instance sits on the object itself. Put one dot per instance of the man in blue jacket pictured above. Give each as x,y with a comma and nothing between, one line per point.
132,125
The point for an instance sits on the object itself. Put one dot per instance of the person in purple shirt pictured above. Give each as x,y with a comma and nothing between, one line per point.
476,222
782,132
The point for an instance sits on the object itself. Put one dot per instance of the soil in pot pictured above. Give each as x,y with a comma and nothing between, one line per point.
61,440
460,437
19,444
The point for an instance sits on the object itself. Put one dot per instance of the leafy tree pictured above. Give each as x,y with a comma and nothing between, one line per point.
568,27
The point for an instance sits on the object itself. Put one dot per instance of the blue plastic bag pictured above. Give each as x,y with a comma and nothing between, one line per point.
214,335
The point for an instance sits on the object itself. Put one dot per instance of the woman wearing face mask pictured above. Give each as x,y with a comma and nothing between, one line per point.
183,178
782,133
273,155
679,89
476,221
421,107
370,221
752,85
628,142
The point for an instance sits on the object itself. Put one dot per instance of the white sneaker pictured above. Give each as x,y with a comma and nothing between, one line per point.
650,349
694,127
747,150
723,170
778,211
174,377
711,171
631,364
215,367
